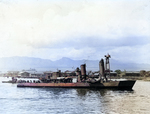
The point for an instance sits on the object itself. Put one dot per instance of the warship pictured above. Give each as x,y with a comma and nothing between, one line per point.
83,80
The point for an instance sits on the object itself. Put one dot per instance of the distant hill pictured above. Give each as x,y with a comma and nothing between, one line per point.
20,63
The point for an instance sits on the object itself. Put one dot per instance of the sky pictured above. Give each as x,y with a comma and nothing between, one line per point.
87,29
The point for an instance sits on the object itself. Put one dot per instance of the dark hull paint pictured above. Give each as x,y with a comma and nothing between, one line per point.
128,84
9,82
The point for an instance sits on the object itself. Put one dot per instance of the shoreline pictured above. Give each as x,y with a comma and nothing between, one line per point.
133,78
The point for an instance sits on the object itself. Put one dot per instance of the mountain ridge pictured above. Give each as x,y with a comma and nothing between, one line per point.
20,63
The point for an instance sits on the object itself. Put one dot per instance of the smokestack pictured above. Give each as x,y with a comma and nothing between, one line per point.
101,67
83,70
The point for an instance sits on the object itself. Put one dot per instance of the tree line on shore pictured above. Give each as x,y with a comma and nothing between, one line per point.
141,73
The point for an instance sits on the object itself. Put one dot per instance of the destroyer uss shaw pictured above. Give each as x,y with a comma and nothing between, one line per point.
83,80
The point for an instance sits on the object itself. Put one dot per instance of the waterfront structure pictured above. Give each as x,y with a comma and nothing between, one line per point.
12,73
29,74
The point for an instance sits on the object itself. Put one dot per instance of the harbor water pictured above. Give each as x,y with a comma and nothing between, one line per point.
15,100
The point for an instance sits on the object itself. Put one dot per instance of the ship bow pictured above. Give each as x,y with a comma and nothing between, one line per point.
128,84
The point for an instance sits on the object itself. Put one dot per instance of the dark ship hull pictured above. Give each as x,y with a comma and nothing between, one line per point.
127,84
10,81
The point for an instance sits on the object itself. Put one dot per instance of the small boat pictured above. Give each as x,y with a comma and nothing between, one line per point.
10,81
83,80
14,80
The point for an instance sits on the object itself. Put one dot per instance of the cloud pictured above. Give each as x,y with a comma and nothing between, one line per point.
77,28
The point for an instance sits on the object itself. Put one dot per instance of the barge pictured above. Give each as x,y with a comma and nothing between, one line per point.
84,81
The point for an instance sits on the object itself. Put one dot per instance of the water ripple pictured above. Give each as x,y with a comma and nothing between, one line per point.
15,100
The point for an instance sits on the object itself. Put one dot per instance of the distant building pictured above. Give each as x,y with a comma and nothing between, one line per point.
132,73
12,73
113,74
24,74
31,74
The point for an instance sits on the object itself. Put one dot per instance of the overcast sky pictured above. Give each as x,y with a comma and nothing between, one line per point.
78,29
